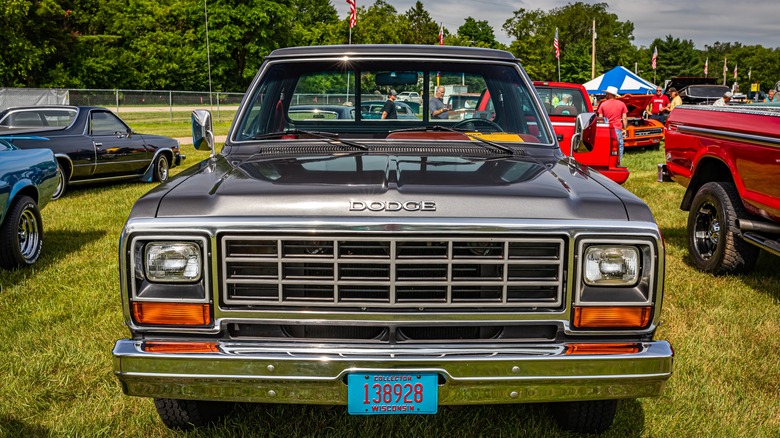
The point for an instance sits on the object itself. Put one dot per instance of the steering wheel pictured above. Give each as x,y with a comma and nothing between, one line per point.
464,124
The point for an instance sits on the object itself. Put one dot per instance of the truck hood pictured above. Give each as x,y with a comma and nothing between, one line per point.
392,185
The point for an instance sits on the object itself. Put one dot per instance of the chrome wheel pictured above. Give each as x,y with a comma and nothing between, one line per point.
29,235
706,233
21,234
161,168
62,182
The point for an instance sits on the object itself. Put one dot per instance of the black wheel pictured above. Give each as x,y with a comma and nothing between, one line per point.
62,182
187,414
714,241
161,168
21,234
471,125
585,416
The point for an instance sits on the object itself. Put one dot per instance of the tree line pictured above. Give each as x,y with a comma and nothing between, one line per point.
161,44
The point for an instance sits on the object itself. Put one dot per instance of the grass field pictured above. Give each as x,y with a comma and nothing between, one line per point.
61,318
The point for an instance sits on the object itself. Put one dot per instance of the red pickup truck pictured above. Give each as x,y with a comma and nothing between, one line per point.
729,160
564,101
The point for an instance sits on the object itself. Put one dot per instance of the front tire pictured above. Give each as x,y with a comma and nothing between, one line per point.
585,416
714,240
188,414
21,235
161,168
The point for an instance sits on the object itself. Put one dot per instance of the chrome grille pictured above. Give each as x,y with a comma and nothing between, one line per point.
653,131
380,271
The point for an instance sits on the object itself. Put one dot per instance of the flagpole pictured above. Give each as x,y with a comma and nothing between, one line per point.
593,53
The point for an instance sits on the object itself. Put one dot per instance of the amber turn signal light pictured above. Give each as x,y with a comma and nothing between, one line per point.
181,347
602,349
612,317
172,313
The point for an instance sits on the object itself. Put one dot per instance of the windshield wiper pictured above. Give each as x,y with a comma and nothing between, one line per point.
330,137
434,128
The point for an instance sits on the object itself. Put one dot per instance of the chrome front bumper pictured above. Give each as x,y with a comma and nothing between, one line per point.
257,372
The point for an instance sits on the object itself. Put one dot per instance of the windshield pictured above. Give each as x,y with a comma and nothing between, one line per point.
359,99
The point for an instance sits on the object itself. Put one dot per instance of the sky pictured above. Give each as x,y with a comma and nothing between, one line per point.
702,21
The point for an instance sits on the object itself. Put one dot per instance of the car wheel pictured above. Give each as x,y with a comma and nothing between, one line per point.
585,416
187,414
21,235
161,168
714,241
62,182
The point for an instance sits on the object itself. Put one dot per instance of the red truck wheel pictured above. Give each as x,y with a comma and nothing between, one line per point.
714,241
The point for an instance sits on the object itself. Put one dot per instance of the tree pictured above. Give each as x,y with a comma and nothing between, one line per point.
477,33
379,24
421,27
534,32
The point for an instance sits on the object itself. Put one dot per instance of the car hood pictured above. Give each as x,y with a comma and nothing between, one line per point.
636,103
392,185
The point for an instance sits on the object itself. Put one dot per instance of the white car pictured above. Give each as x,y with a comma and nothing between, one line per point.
409,96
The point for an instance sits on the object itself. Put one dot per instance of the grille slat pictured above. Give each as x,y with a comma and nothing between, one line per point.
379,271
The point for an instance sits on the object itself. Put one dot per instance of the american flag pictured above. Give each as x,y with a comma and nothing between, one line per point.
556,45
706,65
735,71
655,58
352,13
441,35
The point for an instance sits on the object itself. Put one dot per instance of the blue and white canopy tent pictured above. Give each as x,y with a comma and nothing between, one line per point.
624,79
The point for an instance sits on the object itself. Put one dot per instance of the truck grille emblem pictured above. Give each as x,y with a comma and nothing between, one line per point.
392,206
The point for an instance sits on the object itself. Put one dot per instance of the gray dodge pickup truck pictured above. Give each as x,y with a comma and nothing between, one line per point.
390,265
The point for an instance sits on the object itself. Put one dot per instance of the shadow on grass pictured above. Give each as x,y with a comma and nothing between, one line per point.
467,421
13,427
57,244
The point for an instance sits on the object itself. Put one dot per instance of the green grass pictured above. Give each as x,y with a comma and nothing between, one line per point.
60,320
177,124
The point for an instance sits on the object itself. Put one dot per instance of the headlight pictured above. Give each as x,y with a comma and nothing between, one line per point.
173,262
611,265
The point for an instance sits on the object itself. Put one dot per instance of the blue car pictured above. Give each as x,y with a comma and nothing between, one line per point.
28,179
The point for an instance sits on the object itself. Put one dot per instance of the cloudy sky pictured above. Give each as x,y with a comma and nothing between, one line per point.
705,22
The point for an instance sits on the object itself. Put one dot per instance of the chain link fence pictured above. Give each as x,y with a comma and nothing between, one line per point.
151,106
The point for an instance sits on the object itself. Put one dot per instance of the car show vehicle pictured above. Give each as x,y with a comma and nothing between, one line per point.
391,266
572,100
410,96
695,90
28,180
640,131
306,112
728,159
373,110
91,144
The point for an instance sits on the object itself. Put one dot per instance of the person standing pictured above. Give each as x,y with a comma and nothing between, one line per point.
616,113
723,101
771,97
659,106
388,110
676,99
436,105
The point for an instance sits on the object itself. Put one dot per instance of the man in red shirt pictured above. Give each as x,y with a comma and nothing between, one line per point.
616,113
659,106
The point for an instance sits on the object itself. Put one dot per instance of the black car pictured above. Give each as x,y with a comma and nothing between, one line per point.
91,144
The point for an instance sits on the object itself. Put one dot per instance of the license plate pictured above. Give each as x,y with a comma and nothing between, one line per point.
393,393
